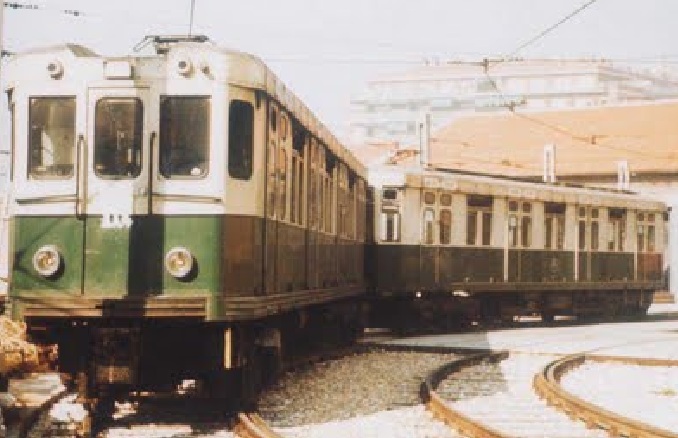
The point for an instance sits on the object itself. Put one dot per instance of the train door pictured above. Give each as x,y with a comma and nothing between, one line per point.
45,129
113,178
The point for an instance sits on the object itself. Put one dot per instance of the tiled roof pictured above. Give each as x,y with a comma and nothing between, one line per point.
588,141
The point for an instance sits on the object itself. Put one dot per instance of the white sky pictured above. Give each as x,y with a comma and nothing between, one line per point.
325,51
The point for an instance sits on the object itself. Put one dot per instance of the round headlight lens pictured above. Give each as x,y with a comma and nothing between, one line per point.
47,260
179,262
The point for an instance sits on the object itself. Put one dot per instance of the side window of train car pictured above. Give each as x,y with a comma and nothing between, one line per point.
429,218
582,227
184,136
118,137
445,231
271,167
554,225
479,220
520,224
51,137
646,229
595,229
390,216
616,229
313,187
282,167
282,183
240,139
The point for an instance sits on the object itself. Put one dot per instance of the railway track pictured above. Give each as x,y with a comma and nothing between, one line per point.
491,396
548,384
496,395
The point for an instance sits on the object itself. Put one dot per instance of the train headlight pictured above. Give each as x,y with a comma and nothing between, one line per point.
47,261
179,262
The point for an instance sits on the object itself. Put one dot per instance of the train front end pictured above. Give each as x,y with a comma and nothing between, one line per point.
117,211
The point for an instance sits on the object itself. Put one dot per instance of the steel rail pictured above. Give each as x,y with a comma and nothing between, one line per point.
464,424
547,384
251,425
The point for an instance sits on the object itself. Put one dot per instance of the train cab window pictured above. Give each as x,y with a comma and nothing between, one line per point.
617,229
240,139
118,137
51,137
554,225
478,220
184,136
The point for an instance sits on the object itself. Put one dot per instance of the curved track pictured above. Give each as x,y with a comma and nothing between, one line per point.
547,385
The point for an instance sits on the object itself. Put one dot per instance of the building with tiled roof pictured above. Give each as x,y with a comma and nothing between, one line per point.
392,108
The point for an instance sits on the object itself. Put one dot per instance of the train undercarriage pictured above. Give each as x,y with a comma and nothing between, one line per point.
458,310
111,359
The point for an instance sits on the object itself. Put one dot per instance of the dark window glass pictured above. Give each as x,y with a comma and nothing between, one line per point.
240,139
429,198
445,227
594,235
184,136
471,226
526,232
487,228
650,238
390,194
446,199
51,138
118,137
429,218
582,235
549,233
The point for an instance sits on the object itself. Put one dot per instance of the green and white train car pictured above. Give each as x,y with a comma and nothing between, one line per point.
173,215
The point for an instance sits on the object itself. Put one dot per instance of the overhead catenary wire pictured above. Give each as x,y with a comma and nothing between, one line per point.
552,27
512,106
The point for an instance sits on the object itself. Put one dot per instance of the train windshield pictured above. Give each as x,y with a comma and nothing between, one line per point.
184,136
51,137
118,137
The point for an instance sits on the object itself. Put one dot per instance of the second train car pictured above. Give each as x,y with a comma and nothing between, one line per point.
474,247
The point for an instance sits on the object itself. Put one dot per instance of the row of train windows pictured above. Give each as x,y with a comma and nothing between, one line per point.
334,194
184,140
479,226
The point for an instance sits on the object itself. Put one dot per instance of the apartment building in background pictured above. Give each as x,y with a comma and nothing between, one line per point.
395,108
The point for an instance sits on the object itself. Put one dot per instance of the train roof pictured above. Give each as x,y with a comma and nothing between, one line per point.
236,67
510,187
